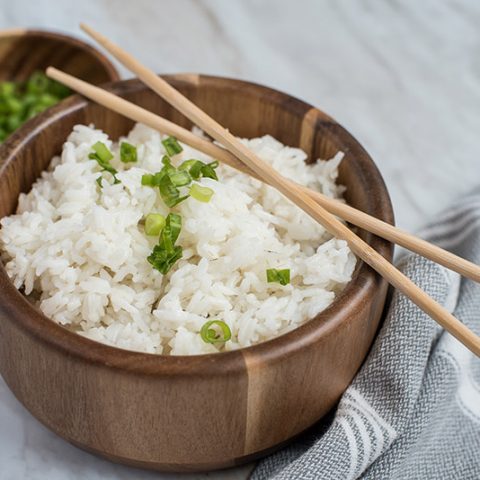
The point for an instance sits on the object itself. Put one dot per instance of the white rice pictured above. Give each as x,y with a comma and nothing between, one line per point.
81,252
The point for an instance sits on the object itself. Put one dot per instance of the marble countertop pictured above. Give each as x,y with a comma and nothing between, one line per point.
402,76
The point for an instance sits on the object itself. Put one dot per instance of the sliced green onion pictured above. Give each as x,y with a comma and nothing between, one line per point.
154,223
128,153
221,334
193,167
180,178
102,152
14,105
162,260
37,83
166,253
200,193
278,276
170,193
167,163
47,100
7,89
172,146
58,89
13,122
174,223
209,172
148,179
197,169
20,101
103,155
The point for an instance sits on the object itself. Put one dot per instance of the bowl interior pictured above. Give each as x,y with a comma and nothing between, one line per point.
23,52
246,109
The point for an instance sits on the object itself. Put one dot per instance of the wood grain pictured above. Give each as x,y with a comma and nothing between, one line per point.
200,412
24,51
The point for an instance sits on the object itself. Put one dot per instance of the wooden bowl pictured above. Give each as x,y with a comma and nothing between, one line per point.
23,51
201,412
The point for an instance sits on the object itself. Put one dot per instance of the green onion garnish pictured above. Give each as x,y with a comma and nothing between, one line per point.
172,146
162,260
166,253
221,334
20,101
148,179
103,155
154,223
167,164
173,226
200,193
169,179
193,167
208,170
169,192
128,153
180,178
278,276
37,83
198,169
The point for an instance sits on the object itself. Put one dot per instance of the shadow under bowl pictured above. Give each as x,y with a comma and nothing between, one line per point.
199,412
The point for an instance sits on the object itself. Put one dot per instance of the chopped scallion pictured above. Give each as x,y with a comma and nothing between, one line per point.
103,155
37,83
180,178
215,331
173,226
193,167
172,146
278,276
154,224
208,170
148,179
169,192
198,169
20,101
200,193
128,153
163,260
102,152
166,253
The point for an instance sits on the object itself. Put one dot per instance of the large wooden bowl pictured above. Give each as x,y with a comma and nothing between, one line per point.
199,412
23,51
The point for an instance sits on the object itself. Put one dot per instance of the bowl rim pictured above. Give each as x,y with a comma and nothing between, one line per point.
30,319
18,32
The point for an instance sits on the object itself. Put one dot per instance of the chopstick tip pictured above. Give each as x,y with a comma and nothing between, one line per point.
89,30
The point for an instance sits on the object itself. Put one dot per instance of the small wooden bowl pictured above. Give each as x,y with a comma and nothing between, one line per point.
199,412
24,51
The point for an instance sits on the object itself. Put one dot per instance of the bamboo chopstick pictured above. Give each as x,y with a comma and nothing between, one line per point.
342,210
296,195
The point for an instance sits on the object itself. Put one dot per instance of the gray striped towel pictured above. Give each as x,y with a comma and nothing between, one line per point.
413,410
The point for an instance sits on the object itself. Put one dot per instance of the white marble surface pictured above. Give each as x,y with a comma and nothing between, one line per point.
402,76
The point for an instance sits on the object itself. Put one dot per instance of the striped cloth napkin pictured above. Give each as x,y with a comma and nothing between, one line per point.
413,410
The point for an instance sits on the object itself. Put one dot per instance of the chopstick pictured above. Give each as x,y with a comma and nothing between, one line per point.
296,195
342,210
